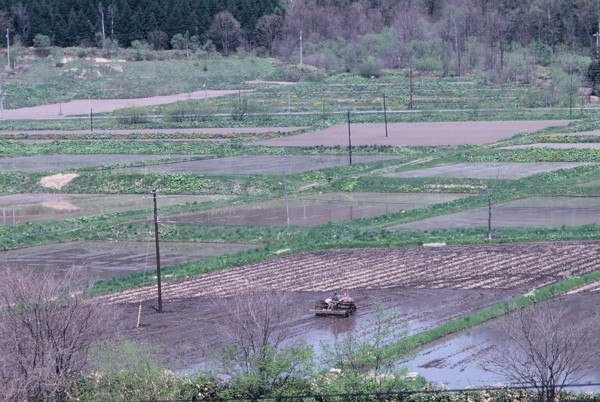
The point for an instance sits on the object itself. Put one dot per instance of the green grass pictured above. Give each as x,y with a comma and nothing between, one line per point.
471,320
41,81
319,100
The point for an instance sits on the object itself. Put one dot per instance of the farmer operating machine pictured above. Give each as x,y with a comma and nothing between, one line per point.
336,305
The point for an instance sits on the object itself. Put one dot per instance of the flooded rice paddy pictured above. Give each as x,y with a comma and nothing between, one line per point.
108,259
460,360
50,163
533,211
260,164
487,170
23,208
313,210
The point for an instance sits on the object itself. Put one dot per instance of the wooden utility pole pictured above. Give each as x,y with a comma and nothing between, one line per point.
489,196
410,89
490,192
385,116
301,49
158,279
349,139
285,193
7,47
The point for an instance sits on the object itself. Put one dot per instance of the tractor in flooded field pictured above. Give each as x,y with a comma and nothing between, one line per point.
336,305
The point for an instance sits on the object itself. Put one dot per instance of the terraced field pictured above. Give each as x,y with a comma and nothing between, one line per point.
510,266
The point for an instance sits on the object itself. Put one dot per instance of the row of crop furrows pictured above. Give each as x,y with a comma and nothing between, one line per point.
511,268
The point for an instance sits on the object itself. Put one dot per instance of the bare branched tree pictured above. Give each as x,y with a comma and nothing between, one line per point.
257,348
46,328
368,358
101,12
547,350
4,22
112,15
225,31
268,29
21,19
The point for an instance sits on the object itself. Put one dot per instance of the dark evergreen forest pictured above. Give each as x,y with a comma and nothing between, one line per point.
78,22
453,36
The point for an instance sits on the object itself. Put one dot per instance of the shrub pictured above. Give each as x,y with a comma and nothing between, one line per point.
132,115
428,64
369,68
42,45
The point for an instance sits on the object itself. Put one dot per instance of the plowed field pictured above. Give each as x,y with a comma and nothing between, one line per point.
510,266
426,286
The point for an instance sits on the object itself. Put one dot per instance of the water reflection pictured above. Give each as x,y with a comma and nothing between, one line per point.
313,210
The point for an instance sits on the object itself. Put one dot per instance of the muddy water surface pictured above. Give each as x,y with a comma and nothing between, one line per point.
313,210
534,211
108,259
23,208
49,163
261,164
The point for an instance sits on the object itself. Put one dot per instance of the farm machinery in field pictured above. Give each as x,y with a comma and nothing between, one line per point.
341,306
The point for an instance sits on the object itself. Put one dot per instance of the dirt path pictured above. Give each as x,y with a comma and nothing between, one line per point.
200,130
83,107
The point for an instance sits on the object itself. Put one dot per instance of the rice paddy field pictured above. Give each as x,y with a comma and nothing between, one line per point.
313,210
533,211
113,258
266,186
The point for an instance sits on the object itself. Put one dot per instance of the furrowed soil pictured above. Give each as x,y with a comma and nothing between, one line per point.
426,285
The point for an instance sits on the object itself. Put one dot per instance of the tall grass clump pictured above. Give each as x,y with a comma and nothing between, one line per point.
133,115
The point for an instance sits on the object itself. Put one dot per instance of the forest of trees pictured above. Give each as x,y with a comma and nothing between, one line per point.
453,36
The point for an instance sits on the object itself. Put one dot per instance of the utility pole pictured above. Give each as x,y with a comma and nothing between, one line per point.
410,84
8,47
158,279
285,193
349,139
300,47
385,116
490,193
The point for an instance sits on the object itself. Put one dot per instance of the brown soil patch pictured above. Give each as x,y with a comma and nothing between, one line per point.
426,285
216,131
60,205
83,107
57,181
416,134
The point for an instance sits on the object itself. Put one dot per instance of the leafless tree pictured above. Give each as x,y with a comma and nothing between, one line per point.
454,30
46,328
112,15
4,22
256,335
547,349
21,19
225,31
101,12
268,28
